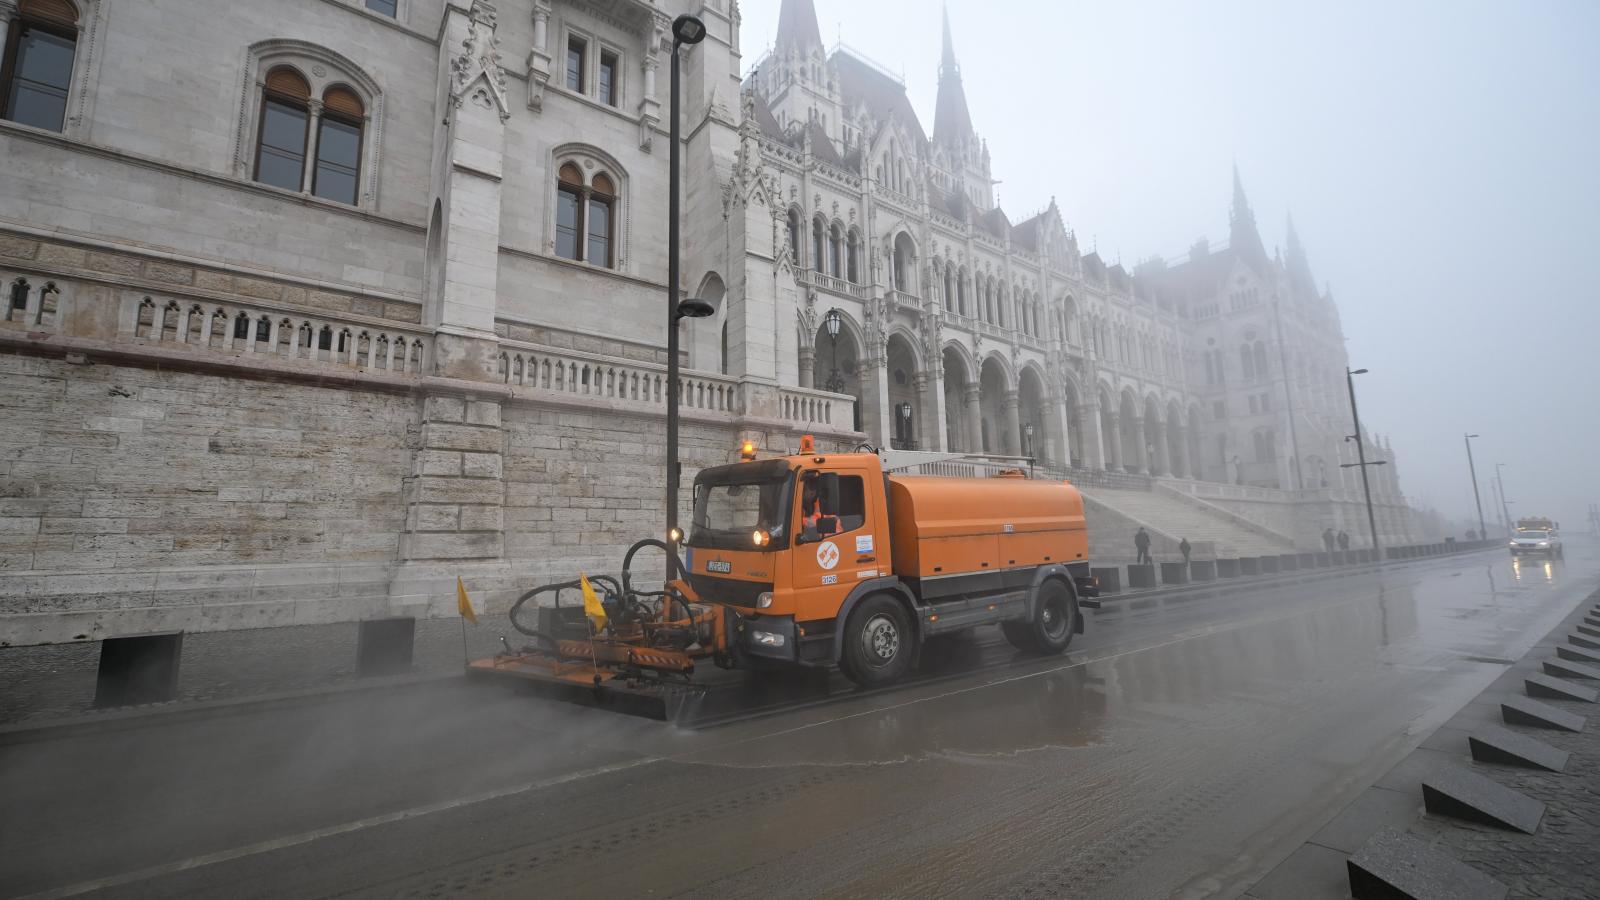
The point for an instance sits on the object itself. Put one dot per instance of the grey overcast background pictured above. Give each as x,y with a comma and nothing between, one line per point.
1441,160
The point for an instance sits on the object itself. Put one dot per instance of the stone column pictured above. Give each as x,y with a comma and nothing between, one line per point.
1160,461
312,122
936,427
1114,443
1059,444
1181,465
808,365
1094,453
974,417
1141,448
1011,437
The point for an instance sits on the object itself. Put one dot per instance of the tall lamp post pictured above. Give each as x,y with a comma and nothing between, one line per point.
1483,530
686,29
1361,459
1505,505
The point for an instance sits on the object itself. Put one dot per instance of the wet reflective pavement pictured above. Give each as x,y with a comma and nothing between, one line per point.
1182,747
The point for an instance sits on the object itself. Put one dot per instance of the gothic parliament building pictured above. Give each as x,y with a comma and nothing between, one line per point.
966,330
341,298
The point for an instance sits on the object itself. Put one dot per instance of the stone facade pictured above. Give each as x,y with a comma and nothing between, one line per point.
231,404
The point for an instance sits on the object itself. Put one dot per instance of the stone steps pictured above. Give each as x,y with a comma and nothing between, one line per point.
1178,519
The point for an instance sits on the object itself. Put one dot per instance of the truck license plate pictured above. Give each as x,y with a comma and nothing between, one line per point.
720,566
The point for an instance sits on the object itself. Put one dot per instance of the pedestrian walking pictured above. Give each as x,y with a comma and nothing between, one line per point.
1141,541
1327,539
1184,548
1344,541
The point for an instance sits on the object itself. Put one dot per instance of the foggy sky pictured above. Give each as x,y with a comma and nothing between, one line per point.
1440,160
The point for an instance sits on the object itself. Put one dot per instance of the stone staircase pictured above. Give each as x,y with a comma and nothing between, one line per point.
1114,515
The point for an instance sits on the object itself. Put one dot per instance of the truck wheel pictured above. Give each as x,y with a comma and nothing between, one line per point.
879,645
1051,626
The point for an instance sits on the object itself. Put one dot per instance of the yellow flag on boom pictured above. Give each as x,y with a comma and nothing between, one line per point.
591,603
463,605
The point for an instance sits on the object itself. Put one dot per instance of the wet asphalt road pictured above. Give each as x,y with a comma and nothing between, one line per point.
1182,747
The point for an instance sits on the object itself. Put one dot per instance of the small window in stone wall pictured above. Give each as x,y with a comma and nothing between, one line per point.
386,7
19,298
40,49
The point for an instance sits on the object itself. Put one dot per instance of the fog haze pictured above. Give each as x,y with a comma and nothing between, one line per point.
1438,159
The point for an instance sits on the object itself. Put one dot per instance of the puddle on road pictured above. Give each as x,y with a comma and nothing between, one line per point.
1413,631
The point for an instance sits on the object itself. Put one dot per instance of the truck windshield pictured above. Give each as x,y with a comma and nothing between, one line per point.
731,503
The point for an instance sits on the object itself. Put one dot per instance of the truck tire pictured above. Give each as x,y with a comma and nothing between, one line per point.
1050,629
879,645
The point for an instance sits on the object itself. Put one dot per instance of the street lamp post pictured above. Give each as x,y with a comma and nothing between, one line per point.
1500,487
1483,531
686,29
1361,459
833,321
904,411
1027,439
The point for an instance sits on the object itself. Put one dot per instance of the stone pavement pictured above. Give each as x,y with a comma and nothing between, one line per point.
1560,859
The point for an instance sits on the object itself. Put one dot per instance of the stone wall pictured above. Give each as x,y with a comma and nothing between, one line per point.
134,499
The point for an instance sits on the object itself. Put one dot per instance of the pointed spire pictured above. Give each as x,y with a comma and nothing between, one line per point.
1300,277
948,59
1243,237
952,123
797,26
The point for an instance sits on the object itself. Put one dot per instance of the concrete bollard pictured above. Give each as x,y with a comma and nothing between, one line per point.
1270,565
140,668
1288,562
1324,559
1203,570
1174,573
1308,560
1142,576
1227,568
383,646
1249,565
1110,578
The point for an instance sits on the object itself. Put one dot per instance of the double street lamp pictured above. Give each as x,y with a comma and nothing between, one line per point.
686,29
1361,459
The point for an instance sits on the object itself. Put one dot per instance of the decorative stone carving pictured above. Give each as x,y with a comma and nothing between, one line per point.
478,63
539,56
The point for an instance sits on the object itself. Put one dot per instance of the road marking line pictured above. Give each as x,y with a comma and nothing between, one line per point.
306,837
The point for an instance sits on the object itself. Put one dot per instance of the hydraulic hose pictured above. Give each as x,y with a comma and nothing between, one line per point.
667,596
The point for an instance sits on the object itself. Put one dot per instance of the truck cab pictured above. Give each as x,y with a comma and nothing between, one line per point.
805,554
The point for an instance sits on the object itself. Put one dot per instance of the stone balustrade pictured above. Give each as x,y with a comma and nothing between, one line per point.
212,326
641,385
804,407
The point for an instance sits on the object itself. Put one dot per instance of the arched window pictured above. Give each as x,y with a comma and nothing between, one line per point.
951,300
285,123
40,47
1261,359
794,237
338,166
836,251
1247,362
819,250
586,220
602,197
569,212
853,268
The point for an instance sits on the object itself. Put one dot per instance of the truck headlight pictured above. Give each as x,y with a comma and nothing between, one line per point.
763,600
767,638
